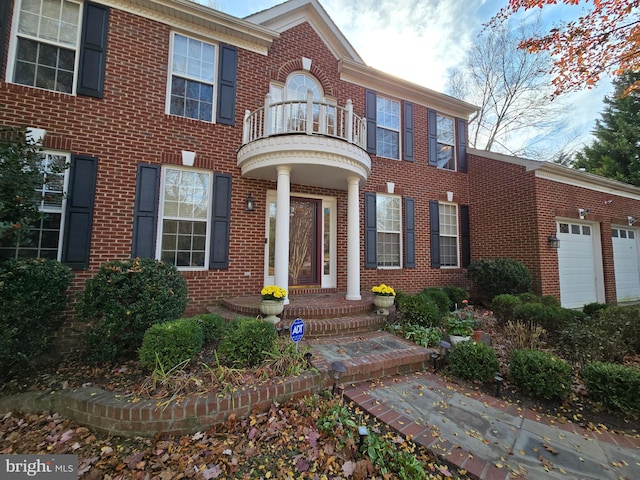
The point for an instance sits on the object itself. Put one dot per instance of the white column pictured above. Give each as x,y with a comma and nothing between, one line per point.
281,262
353,239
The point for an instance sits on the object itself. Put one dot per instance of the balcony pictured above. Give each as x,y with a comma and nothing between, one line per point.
323,144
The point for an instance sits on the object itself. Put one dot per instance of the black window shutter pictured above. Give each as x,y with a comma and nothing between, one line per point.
220,221
434,224
371,113
465,235
432,126
409,233
370,235
145,216
227,78
4,28
79,213
93,50
407,131
462,144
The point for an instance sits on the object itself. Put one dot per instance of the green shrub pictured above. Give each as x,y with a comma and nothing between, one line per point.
123,300
593,309
503,307
439,297
473,361
501,275
615,386
590,340
33,294
625,320
541,374
419,310
170,344
456,296
552,319
549,301
247,342
528,297
213,327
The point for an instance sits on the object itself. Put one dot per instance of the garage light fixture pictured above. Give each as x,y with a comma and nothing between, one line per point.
630,220
554,242
250,203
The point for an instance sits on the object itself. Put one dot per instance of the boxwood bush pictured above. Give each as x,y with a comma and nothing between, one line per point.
456,296
615,386
247,342
473,361
213,327
541,374
503,307
123,300
33,294
169,344
439,297
500,275
419,310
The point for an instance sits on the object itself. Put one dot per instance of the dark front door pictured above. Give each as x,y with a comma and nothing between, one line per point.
304,242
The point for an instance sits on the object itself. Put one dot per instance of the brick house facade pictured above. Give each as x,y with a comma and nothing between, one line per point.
173,115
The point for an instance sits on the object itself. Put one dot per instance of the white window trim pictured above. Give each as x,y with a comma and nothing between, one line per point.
13,47
400,233
456,236
161,218
453,145
214,106
399,130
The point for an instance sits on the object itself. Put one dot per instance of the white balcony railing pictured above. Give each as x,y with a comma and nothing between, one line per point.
293,117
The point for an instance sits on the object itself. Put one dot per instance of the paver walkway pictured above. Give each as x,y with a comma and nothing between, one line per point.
493,439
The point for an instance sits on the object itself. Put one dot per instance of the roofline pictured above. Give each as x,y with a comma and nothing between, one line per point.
204,20
560,173
385,83
279,18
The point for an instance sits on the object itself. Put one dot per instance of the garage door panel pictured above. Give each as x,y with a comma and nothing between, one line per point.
627,266
577,264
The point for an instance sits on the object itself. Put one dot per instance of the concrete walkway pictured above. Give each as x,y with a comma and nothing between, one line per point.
492,439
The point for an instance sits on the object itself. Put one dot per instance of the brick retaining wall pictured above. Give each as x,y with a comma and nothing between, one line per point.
116,414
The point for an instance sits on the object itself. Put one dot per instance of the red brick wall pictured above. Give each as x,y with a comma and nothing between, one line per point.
129,125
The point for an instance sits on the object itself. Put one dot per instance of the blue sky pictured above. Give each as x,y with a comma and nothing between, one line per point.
419,40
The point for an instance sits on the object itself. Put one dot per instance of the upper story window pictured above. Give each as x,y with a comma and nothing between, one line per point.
45,236
192,79
389,230
448,218
446,142
46,44
388,128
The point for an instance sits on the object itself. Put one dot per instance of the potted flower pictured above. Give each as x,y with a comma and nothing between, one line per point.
272,302
383,295
459,326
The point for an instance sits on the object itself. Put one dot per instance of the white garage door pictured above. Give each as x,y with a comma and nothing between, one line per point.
625,261
577,264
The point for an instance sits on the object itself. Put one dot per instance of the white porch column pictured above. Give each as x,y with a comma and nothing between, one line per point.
353,239
281,262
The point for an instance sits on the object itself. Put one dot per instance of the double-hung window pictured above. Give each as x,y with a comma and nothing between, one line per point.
47,39
45,238
192,78
446,143
388,128
185,215
389,230
448,218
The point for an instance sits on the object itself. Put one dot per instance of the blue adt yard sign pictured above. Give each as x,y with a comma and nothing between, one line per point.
297,330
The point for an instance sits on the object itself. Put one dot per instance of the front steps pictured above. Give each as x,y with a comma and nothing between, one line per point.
337,330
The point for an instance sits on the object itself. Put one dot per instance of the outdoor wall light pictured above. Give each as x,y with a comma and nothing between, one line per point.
338,368
553,240
250,203
630,220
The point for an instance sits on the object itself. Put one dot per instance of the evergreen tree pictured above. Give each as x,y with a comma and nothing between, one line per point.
616,151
